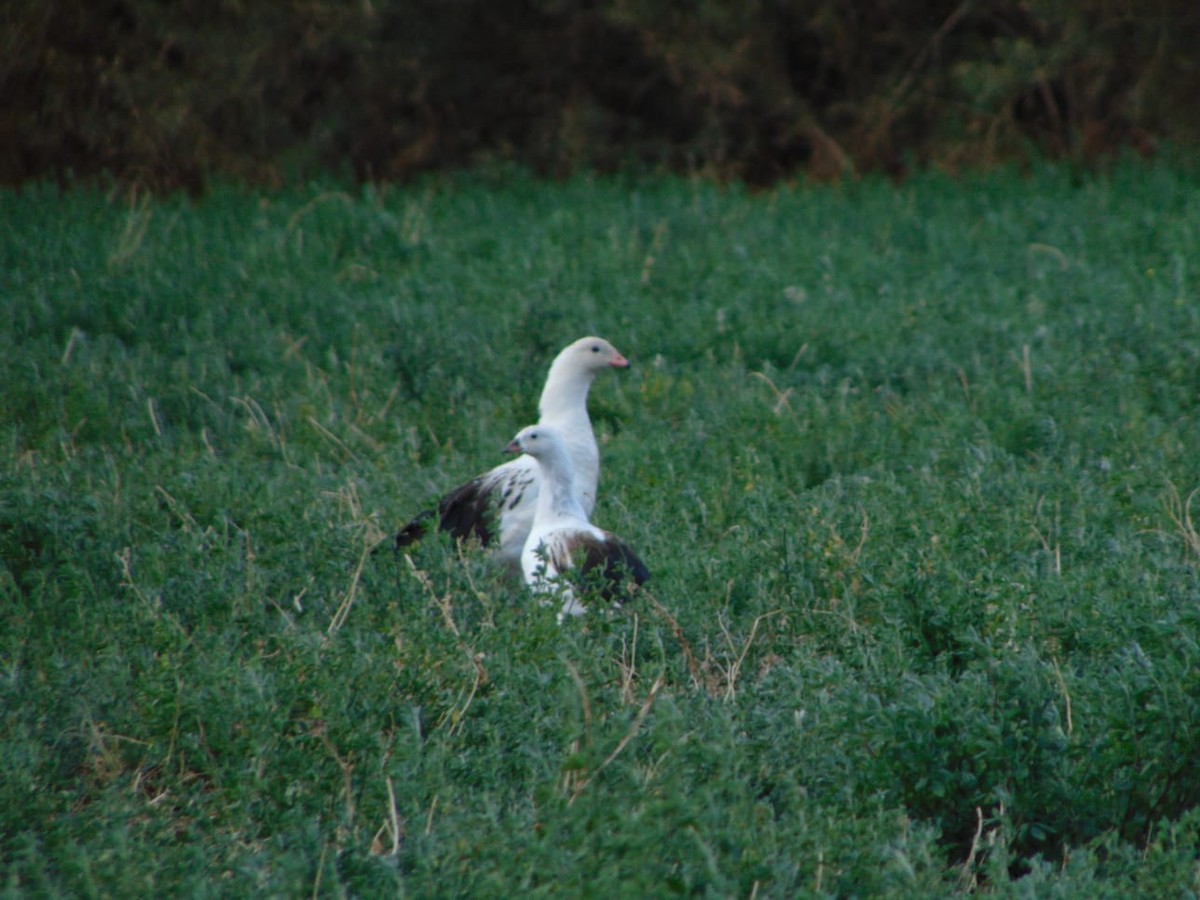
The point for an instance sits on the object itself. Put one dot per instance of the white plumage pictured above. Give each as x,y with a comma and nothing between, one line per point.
505,498
563,550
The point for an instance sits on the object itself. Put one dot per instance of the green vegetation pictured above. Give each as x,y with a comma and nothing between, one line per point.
169,95
912,467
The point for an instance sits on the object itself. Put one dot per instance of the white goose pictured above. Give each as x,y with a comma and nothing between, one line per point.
564,551
507,495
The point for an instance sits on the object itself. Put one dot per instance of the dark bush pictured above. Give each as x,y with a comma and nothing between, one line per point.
166,94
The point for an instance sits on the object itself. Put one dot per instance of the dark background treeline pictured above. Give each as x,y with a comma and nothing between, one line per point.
167,94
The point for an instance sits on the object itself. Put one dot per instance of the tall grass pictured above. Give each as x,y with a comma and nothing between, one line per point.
914,468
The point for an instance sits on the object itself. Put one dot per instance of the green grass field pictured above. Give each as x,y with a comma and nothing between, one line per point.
912,466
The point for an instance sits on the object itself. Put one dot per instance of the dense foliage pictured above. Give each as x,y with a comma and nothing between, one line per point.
914,469
168,94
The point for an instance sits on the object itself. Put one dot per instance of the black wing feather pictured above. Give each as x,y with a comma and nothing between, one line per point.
612,563
465,512
415,529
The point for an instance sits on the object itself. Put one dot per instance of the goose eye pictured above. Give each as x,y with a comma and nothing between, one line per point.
595,348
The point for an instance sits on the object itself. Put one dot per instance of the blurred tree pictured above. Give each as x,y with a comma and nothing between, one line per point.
167,94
